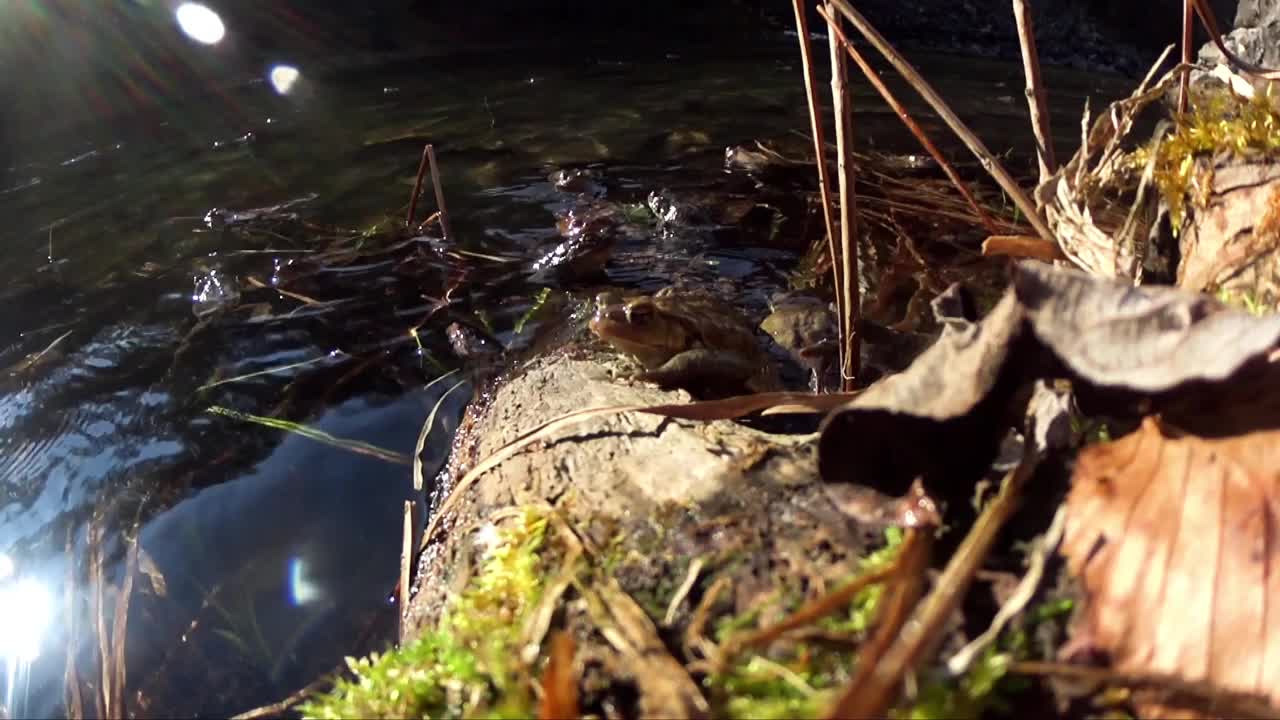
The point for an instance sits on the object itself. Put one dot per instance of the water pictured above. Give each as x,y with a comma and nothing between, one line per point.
269,555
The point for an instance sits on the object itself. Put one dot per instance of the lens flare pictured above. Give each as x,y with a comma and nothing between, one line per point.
283,78
200,23
25,612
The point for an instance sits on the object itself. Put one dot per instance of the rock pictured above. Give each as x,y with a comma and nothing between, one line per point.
1256,37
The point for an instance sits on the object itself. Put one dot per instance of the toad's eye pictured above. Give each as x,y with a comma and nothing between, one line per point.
639,313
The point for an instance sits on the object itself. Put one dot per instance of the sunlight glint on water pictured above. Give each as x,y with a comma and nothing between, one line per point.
25,611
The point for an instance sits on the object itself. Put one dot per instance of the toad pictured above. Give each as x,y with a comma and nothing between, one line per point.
688,339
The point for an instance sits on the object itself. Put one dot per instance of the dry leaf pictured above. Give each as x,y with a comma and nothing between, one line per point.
1127,351
1177,544
559,686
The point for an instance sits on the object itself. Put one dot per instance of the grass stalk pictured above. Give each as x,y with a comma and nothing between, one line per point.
819,146
842,108
1037,100
874,78
926,91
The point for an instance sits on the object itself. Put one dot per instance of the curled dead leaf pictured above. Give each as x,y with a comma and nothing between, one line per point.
1177,542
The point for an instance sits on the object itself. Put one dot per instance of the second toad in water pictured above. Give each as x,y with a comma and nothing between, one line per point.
686,338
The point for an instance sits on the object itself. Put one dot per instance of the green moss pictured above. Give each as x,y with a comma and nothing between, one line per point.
800,682
1217,121
986,688
467,667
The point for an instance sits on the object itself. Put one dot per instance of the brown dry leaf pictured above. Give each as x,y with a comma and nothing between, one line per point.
1177,542
559,686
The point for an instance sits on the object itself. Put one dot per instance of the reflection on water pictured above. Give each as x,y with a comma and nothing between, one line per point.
130,305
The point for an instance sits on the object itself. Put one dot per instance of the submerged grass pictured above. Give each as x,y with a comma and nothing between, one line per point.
468,666
355,446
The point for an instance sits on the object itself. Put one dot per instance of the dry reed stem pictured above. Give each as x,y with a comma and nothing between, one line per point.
417,188
435,182
874,78
1188,35
843,110
1037,100
926,91
819,144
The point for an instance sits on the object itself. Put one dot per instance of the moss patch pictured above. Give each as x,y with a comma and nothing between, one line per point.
1217,121
469,666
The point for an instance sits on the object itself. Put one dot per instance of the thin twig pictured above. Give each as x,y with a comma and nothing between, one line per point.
975,145
819,145
874,78
417,187
435,181
848,289
278,708
1037,102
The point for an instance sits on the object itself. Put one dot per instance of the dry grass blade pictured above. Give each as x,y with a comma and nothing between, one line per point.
975,145
874,78
1100,228
726,409
1037,102
559,685
1176,540
819,147
842,107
